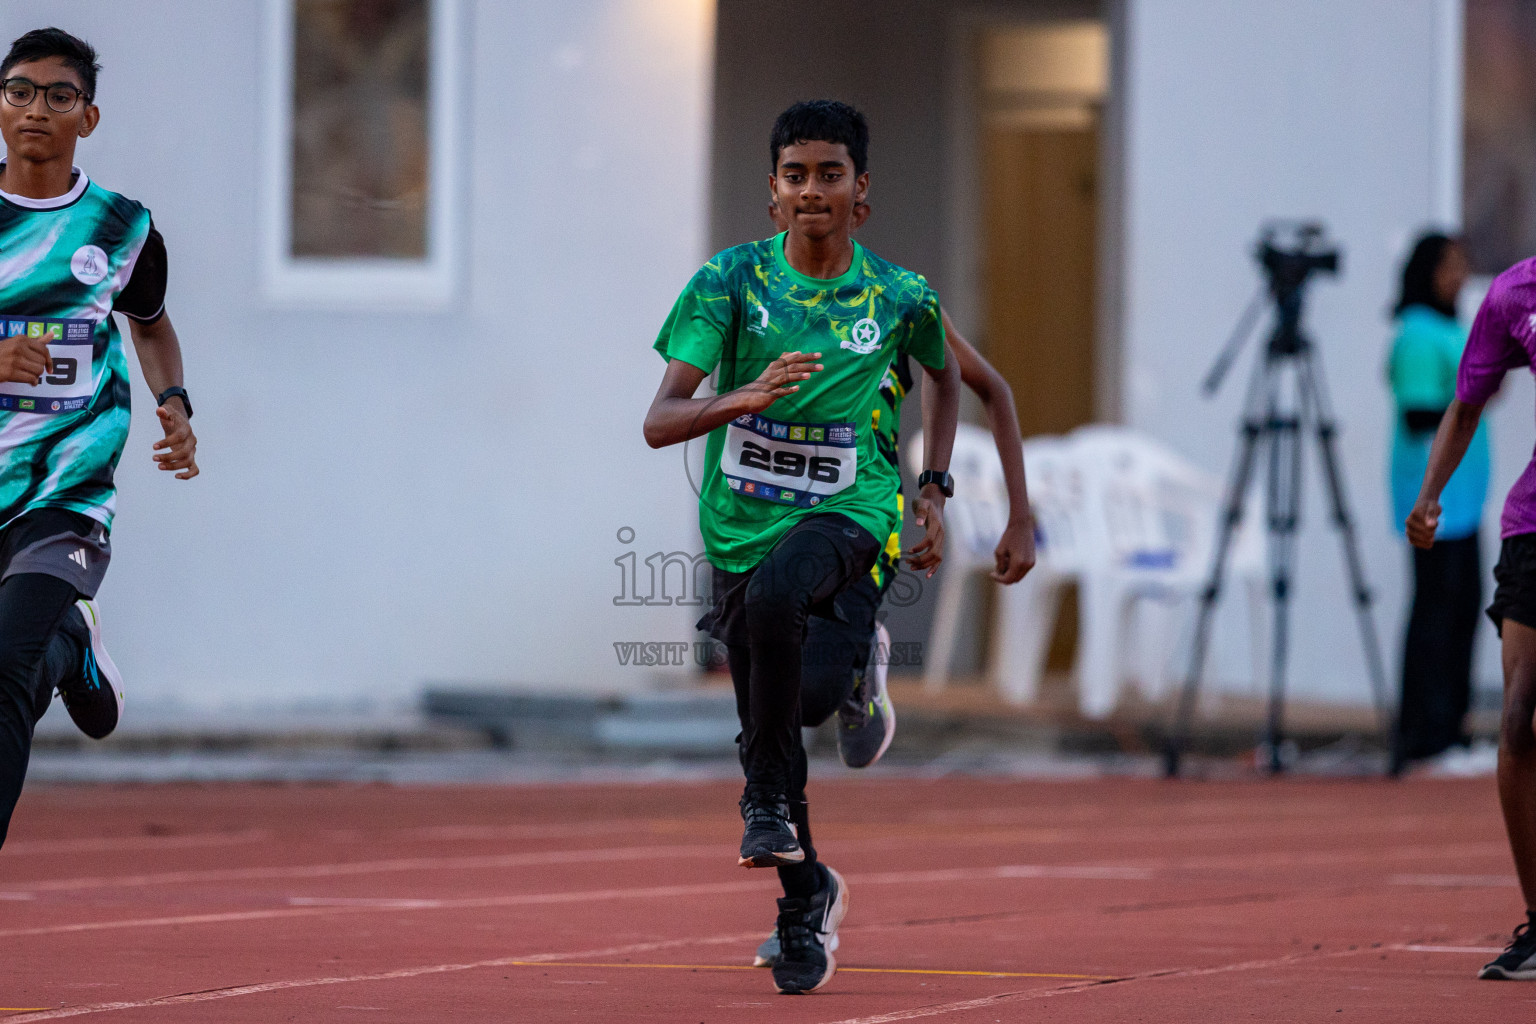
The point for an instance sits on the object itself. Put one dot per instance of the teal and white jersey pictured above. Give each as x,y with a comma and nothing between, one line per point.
63,263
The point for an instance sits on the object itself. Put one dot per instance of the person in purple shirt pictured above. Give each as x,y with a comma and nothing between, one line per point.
1503,338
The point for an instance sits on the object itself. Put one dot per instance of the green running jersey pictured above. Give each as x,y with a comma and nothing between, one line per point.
813,451
62,264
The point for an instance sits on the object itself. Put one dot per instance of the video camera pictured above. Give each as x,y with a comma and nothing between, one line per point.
1292,251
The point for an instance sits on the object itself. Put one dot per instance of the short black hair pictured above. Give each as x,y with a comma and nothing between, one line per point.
822,121
41,43
1419,274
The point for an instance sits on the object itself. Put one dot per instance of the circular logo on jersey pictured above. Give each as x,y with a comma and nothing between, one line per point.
57,406
864,338
89,264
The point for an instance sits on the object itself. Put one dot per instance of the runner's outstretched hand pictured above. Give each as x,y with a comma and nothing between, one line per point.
178,449
24,360
781,378
1015,552
1422,523
928,510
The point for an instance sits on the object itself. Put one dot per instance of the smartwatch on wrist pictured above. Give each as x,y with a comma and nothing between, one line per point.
176,391
945,482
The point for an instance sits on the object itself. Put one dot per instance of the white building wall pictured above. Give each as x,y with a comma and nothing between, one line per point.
393,498
1342,110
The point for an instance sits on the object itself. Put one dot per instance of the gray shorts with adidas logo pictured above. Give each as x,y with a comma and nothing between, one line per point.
56,542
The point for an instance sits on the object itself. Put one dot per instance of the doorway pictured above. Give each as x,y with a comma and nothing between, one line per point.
1042,94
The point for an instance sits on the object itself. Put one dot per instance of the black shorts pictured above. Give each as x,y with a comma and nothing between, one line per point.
856,547
1514,593
56,542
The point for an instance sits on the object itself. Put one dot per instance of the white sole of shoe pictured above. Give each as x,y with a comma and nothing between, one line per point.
104,663
771,860
882,697
1500,974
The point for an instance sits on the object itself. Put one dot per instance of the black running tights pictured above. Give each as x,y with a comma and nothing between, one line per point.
34,656
797,879
809,566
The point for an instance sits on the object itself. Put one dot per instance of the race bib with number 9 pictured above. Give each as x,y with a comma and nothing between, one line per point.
71,385
790,463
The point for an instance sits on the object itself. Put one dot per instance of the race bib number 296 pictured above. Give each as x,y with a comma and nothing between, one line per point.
790,463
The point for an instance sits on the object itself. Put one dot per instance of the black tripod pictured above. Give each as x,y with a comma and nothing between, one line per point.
1285,400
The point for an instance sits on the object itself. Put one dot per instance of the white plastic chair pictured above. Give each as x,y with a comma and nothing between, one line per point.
1132,523
1059,494
1159,517
974,519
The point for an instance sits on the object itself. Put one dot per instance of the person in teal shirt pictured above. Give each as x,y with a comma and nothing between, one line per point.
1447,579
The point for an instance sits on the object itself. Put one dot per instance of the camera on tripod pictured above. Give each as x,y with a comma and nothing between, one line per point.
1286,401
1292,251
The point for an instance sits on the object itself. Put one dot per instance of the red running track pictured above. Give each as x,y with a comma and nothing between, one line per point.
970,901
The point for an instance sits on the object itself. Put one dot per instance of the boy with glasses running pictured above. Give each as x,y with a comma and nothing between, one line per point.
71,254
795,492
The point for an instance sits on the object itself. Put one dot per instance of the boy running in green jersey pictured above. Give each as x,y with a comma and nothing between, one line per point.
844,658
71,254
795,494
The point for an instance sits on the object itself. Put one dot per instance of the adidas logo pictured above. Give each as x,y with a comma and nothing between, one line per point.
79,558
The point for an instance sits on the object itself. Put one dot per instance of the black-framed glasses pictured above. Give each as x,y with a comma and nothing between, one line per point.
61,97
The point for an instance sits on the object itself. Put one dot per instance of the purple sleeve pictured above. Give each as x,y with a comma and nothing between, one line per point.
1492,349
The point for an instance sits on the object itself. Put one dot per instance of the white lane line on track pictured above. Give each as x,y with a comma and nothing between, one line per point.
1479,950
318,905
1246,864
369,867
1456,881
473,903
396,975
53,847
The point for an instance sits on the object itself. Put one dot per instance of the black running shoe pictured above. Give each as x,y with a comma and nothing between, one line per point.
1518,961
807,935
768,953
94,697
769,839
866,723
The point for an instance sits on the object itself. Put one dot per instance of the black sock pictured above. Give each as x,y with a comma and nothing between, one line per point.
801,880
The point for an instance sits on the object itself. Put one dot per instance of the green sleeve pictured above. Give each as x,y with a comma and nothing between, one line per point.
1422,375
925,340
700,321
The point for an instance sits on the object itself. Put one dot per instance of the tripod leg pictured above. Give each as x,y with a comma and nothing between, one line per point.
1253,427
1284,517
1333,476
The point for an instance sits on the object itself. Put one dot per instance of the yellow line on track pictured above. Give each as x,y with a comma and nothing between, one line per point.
848,970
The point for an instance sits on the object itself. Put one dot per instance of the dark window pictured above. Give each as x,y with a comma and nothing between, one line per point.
360,147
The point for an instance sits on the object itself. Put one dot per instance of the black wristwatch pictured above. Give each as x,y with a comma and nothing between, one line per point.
176,391
944,480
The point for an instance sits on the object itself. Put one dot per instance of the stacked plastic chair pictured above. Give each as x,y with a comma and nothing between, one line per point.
1125,518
